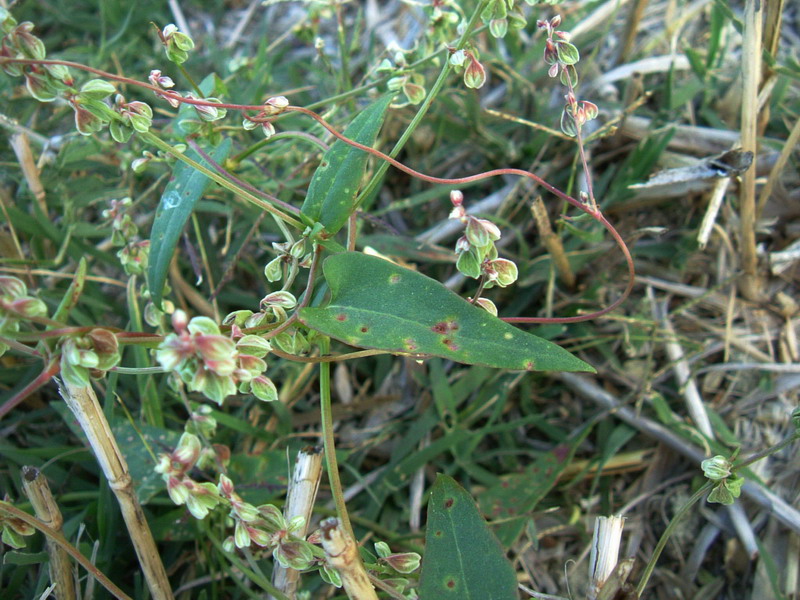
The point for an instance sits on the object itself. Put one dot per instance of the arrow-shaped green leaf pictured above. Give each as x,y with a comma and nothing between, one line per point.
377,304
463,559
333,188
174,209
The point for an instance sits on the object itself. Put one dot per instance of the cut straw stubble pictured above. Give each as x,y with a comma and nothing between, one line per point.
46,509
82,401
300,499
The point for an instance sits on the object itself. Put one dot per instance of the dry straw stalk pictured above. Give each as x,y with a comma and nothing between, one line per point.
82,401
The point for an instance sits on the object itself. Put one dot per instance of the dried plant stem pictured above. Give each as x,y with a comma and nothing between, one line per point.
552,242
22,148
58,538
585,387
790,146
299,502
631,29
605,554
46,509
751,76
342,553
83,403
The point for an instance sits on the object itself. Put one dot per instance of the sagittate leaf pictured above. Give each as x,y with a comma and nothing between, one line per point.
463,559
377,304
332,191
174,209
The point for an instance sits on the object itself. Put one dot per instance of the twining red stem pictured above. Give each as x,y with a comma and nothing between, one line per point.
590,209
41,379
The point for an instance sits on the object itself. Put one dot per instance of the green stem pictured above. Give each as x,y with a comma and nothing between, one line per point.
342,35
240,565
188,78
768,452
56,537
162,145
327,435
279,136
423,109
651,564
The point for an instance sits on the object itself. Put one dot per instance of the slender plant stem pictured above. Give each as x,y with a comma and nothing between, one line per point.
651,564
767,452
331,464
343,55
228,185
191,81
240,565
61,541
423,109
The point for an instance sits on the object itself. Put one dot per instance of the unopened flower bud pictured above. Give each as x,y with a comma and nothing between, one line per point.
474,75
716,468
487,305
254,345
506,272
159,80
180,321
264,389
456,197
241,537
458,58
278,104
268,129
590,109
282,298
188,451
555,21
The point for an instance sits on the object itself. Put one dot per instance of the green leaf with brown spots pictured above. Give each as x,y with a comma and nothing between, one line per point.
463,559
377,304
333,189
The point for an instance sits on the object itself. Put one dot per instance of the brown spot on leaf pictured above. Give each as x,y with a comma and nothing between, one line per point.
364,329
395,278
451,583
561,452
440,328
448,503
529,366
410,344
341,317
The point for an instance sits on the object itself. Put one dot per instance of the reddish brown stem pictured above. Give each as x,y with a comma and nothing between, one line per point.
591,209
252,189
51,371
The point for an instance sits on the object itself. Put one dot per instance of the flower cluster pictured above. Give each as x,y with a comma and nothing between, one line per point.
501,15
562,56
44,82
134,253
477,254
474,72
16,305
48,82
176,43
392,564
215,365
199,498
727,485
272,108
90,355
402,78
